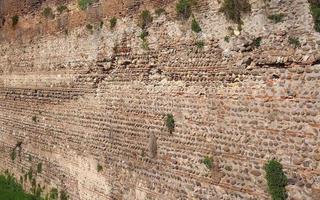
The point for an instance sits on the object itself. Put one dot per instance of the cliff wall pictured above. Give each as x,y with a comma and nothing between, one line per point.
75,99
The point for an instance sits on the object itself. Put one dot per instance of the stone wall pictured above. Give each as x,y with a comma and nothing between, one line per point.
79,98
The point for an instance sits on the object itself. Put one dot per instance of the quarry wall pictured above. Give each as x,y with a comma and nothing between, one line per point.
73,98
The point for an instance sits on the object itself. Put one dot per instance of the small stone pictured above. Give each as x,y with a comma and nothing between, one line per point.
256,173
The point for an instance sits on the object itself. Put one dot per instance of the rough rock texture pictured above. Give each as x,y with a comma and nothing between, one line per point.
76,97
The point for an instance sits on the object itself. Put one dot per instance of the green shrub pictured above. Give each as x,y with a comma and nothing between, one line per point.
294,41
113,22
233,9
315,11
276,18
200,44
11,189
39,167
227,38
62,8
84,4
145,44
195,26
183,8
276,179
145,19
256,42
160,11
53,195
15,20
143,35
208,162
170,123
47,12
99,168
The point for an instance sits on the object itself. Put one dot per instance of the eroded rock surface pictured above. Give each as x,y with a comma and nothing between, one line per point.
76,97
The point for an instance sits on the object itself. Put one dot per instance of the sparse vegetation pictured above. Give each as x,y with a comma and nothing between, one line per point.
195,26
315,11
276,18
160,11
183,8
143,35
99,167
227,38
11,189
47,12
145,19
294,41
170,123
39,168
113,22
145,44
256,42
208,162
84,4
15,20
233,9
53,195
276,179
200,44
62,8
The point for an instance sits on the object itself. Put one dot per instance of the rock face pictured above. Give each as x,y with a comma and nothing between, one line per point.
75,98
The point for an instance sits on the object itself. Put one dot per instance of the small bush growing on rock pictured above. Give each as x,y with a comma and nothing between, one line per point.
47,12
294,41
276,179
99,168
195,26
143,35
315,11
200,44
227,38
145,19
208,162
62,8
183,8
113,22
84,4
39,167
256,42
160,11
15,20
233,9
170,123
145,44
276,18
53,195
